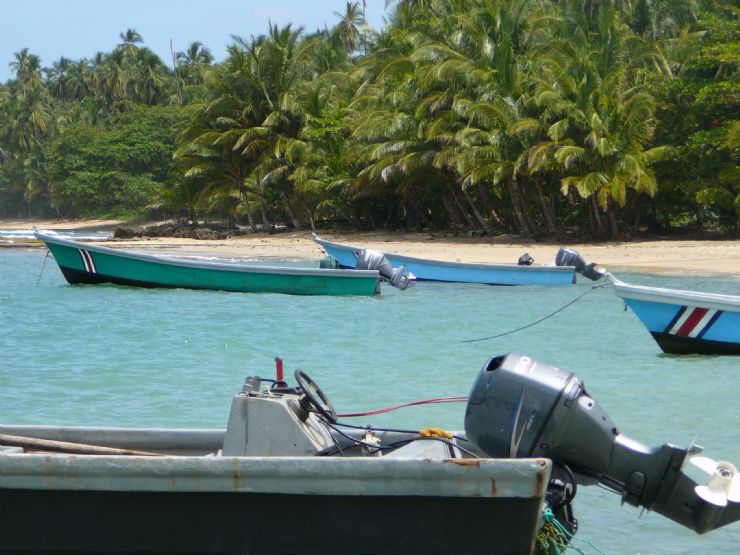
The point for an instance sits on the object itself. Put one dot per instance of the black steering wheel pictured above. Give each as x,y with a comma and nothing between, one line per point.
315,397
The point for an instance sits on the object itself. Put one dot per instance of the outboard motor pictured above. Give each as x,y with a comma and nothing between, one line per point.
525,260
369,259
571,257
520,407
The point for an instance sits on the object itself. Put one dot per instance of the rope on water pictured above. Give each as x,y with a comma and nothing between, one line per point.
549,518
42,267
578,298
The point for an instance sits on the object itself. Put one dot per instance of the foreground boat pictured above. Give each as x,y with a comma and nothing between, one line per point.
83,263
684,322
462,272
286,476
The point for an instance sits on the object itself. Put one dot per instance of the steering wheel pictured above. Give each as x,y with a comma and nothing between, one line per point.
315,397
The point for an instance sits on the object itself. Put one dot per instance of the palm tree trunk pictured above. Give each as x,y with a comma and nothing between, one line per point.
525,206
521,222
250,219
597,217
545,206
258,188
487,204
245,201
297,225
309,217
452,212
459,206
481,220
612,220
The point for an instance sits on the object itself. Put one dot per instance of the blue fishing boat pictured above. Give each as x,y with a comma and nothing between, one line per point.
461,272
685,321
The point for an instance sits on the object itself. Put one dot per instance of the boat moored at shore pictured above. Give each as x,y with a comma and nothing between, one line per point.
683,322
458,272
91,264
680,321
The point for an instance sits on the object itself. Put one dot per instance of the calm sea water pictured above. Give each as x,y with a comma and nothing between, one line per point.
109,355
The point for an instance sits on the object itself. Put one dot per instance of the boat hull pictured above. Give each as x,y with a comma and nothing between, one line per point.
87,264
131,522
109,504
459,272
684,322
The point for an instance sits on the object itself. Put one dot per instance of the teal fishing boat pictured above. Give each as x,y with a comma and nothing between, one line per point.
82,263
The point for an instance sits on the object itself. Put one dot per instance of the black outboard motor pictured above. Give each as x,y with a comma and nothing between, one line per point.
525,260
520,407
369,259
571,257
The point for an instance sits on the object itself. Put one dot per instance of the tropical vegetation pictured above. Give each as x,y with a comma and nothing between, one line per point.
604,118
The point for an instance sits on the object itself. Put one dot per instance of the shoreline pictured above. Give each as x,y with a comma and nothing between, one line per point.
673,256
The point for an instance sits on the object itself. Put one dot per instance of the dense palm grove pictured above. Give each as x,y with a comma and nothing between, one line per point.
542,117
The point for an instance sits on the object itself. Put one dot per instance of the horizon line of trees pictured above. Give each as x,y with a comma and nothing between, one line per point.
539,117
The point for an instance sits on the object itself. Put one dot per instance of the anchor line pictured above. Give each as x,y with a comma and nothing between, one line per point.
578,298
42,267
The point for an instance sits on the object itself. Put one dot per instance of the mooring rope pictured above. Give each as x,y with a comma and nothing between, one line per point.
578,298
42,267
549,517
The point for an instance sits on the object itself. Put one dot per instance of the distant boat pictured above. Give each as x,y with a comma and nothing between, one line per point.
684,322
83,263
461,272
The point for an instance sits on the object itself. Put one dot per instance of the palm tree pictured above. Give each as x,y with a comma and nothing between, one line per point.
78,81
129,40
27,66
272,67
350,29
57,77
193,61
600,122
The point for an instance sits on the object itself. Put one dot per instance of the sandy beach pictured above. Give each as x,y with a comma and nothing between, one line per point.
669,255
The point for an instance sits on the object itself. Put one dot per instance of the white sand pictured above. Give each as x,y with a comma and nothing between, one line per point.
673,256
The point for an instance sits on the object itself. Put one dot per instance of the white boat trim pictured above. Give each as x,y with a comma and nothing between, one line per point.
680,297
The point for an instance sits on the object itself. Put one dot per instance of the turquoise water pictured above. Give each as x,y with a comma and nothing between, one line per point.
109,355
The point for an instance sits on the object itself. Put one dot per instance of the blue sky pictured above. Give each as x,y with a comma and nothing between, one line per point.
80,28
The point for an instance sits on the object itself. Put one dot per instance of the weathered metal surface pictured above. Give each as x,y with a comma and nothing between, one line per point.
161,440
521,478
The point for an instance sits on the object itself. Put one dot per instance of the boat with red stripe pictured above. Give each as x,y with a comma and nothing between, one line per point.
685,321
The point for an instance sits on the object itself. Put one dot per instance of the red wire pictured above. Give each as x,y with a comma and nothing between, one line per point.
411,404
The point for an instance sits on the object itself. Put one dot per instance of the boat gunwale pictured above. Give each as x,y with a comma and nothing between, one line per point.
303,475
467,265
730,303
236,268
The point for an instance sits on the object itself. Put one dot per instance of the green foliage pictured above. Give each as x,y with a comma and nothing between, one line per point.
507,115
119,166
698,113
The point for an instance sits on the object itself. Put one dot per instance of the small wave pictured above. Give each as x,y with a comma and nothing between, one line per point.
67,233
